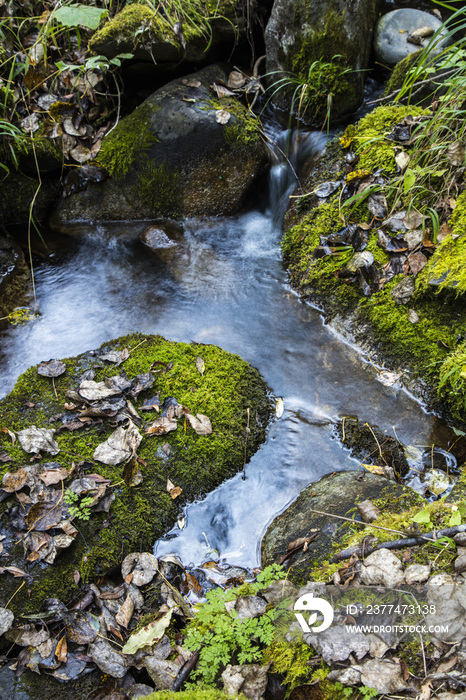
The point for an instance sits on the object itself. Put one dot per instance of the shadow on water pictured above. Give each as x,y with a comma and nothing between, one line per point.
224,284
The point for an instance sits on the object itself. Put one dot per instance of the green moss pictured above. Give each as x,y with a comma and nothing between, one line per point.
380,255
159,188
421,344
400,72
447,267
374,149
290,660
244,126
452,381
128,142
125,28
201,692
140,515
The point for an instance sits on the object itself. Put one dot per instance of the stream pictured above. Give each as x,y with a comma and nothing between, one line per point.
225,284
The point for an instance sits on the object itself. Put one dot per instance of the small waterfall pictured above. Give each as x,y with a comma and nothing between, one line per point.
290,150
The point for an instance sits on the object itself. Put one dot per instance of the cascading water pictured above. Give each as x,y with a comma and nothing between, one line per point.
223,284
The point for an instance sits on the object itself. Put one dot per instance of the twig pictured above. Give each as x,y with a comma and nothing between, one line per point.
356,522
378,444
184,672
17,591
398,544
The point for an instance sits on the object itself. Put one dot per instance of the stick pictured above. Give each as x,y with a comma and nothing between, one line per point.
398,544
184,672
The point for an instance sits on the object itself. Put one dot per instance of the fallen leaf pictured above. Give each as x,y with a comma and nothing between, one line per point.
143,566
116,356
222,116
81,626
125,612
221,91
447,665
5,457
120,446
37,439
44,516
388,378
417,262
53,476
191,82
455,153
61,650
200,364
181,523
166,449
174,493
148,635
162,426
76,576
279,408
426,691
17,573
52,368
170,485
201,423
14,481
10,433
402,160
94,391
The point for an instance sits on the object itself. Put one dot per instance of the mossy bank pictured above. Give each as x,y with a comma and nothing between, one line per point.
381,276
143,512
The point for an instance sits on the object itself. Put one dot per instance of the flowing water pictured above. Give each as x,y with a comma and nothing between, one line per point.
225,284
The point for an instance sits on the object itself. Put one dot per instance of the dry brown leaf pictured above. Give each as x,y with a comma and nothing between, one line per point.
447,665
417,262
17,573
51,368
162,426
53,476
10,433
426,691
14,481
125,613
61,650
170,485
174,493
201,423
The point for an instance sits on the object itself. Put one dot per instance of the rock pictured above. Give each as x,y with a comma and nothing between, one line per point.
250,606
451,696
17,192
139,690
6,620
412,316
382,567
416,573
413,238
299,34
359,261
335,494
171,158
251,680
14,276
393,29
161,44
156,238
460,561
337,643
163,673
460,539
404,290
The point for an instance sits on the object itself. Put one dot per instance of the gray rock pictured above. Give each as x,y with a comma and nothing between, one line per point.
404,290
336,494
359,261
171,158
382,567
299,33
156,238
337,643
139,690
393,29
412,316
416,573
6,620
163,673
250,679
413,238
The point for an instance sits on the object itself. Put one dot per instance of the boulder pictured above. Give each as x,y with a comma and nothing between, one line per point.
335,494
403,32
17,192
180,153
14,275
151,36
302,34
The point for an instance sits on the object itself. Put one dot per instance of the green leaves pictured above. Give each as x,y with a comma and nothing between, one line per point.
79,15
409,179
423,517
148,635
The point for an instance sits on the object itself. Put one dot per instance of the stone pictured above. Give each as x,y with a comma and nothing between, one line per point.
250,679
156,238
382,567
393,29
404,290
18,191
416,573
335,494
413,238
337,643
301,33
170,158
359,261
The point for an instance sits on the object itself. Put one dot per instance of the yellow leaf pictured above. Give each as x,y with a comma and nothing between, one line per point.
357,175
373,468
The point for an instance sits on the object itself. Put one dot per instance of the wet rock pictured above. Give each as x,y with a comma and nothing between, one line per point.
158,238
14,276
334,494
171,158
391,36
404,290
298,34
19,190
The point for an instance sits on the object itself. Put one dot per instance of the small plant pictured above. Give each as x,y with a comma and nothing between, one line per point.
220,634
79,507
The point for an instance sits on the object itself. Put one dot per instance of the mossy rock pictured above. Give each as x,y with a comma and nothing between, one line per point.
140,514
334,34
336,495
197,693
208,30
171,158
378,322
17,192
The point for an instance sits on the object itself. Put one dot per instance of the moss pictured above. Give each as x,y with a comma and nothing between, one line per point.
374,149
126,26
128,142
203,692
140,515
243,128
452,381
290,660
447,267
159,188
400,72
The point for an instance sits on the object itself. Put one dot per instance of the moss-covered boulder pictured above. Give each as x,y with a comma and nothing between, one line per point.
334,495
14,276
325,44
17,192
144,504
208,30
180,153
